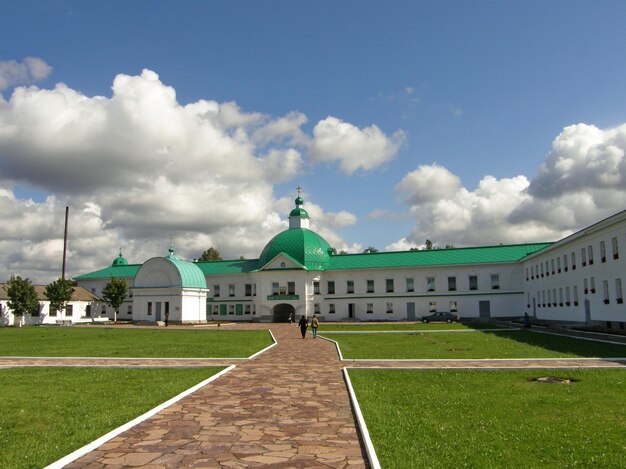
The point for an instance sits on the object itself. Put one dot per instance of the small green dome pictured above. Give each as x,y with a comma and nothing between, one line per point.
119,261
302,244
299,201
299,212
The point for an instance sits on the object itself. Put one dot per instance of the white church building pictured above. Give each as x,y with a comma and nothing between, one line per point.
577,279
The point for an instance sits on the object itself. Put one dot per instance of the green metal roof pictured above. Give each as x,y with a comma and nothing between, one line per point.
227,267
191,276
474,255
117,271
299,212
305,246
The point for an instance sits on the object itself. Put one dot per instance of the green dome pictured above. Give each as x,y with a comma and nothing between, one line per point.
299,212
302,244
119,261
299,201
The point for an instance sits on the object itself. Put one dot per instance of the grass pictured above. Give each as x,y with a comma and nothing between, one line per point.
438,326
494,418
50,412
118,342
454,345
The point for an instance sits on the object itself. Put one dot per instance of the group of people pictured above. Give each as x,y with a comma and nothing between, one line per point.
303,324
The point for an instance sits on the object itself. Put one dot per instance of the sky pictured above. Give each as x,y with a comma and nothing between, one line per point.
193,123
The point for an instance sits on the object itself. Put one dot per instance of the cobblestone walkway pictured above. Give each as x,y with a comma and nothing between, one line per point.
288,407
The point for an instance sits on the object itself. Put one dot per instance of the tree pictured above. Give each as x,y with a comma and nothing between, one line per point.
22,297
370,249
428,245
210,255
114,293
59,293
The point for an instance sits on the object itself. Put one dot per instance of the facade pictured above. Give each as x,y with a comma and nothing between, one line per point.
298,273
83,307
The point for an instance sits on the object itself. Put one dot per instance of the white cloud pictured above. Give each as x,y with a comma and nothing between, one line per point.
31,70
138,168
355,149
583,180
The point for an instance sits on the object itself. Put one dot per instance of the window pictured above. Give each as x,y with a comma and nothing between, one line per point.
231,309
130,310
149,308
451,283
389,283
248,289
560,296
547,268
554,297
231,289
567,297
558,264
605,290
552,266
275,288
216,310
93,290
370,308
389,308
291,288
253,309
543,297
542,269
316,308
316,288
590,254
592,284
370,286
527,277
87,310
53,312
618,290
432,307
349,286
247,309
216,291
331,308
331,288
602,251
615,248
495,281
575,295
254,289
104,310
573,256
583,257
430,283
410,286
453,307
565,262
549,299
473,282
585,286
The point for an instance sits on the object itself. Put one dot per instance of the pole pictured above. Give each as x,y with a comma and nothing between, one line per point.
67,214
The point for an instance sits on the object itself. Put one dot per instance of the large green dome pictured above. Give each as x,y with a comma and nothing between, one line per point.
302,244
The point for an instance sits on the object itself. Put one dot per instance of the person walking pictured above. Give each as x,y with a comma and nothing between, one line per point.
303,323
314,325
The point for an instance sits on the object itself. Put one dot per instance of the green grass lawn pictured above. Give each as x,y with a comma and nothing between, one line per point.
129,342
47,413
438,326
455,345
494,419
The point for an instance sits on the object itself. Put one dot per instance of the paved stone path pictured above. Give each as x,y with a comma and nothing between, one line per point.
288,407
279,409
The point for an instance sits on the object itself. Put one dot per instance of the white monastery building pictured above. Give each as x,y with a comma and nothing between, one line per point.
576,279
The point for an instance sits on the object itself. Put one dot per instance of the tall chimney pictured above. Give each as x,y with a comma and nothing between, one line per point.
67,214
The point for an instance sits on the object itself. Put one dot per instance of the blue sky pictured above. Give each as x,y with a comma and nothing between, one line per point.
457,91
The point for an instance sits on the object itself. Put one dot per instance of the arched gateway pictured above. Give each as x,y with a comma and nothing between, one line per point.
281,312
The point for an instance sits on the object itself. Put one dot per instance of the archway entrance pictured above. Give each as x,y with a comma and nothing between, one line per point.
281,312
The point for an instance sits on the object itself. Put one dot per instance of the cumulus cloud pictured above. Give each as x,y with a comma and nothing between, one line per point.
138,168
353,148
31,70
581,181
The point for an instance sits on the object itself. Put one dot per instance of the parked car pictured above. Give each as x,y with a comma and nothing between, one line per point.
441,317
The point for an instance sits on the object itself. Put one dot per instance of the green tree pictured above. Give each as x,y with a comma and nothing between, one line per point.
59,293
114,293
428,245
370,250
210,255
22,297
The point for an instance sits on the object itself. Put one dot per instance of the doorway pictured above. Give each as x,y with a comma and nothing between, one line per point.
351,310
410,311
282,312
484,309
